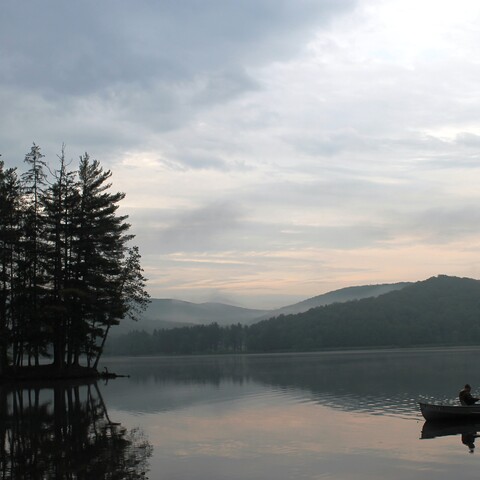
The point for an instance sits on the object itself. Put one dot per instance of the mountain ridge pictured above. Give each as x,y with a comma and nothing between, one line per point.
337,296
171,313
439,310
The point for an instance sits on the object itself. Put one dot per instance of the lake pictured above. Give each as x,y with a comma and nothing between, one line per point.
337,415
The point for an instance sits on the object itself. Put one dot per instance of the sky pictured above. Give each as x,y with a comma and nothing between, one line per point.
270,151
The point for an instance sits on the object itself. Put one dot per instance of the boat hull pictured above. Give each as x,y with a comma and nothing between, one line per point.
432,412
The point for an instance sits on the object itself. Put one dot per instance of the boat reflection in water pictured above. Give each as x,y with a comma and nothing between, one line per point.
63,431
467,430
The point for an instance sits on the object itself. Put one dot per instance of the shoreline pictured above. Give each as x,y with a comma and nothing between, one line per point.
50,372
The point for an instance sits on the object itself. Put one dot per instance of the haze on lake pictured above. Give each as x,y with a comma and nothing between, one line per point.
341,415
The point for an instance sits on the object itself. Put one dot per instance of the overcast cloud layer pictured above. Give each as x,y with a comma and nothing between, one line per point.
270,150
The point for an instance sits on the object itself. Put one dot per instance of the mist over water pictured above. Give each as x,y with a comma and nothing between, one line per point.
320,415
381,382
342,415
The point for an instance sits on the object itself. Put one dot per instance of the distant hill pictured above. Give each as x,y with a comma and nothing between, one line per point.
168,313
440,310
336,296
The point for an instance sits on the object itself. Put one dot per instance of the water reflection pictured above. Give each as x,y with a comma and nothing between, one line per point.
382,383
338,415
467,431
63,431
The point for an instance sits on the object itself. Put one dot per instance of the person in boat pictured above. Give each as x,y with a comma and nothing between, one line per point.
465,396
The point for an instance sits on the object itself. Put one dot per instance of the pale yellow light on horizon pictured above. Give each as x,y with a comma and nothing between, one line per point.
311,272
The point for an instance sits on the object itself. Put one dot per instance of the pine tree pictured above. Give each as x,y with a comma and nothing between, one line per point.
67,271
59,202
99,252
131,298
33,342
9,245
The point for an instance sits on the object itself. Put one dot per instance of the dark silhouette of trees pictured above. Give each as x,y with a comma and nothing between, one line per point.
33,342
10,235
67,270
182,341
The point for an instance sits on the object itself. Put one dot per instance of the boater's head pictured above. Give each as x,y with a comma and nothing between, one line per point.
467,387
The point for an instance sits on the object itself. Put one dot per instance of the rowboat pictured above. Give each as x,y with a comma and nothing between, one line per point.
436,412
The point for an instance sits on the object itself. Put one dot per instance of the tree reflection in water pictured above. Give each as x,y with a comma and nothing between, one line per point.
63,431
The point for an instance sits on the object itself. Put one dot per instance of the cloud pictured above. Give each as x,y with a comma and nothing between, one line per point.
221,86
207,228
111,76
260,140
434,225
77,49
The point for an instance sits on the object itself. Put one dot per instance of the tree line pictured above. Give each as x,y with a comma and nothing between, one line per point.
210,338
68,272
438,311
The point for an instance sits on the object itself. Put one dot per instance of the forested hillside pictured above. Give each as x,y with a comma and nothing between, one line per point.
342,295
439,311
163,313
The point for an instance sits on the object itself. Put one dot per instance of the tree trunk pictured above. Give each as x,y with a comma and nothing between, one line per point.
3,359
100,350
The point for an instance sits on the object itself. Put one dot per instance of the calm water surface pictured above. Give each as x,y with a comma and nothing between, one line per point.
307,416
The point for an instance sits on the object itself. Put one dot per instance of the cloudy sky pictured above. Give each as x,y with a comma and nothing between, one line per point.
270,150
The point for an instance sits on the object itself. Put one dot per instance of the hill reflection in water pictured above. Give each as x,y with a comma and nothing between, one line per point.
375,382
332,415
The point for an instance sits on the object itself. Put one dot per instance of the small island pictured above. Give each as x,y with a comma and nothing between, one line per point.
68,272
